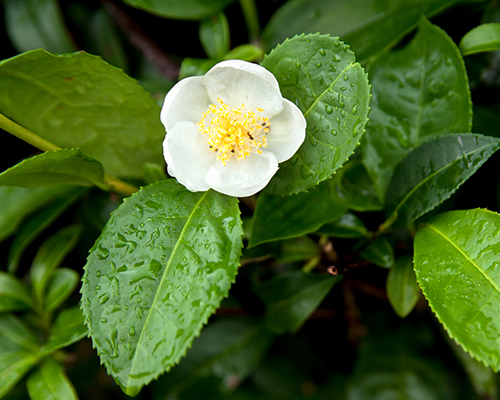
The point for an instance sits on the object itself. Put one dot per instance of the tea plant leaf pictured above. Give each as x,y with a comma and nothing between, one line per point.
78,100
245,52
419,91
186,9
14,295
482,38
457,268
162,265
432,172
348,226
214,36
379,252
320,75
62,284
49,382
402,287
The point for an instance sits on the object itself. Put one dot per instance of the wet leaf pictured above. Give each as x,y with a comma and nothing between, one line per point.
402,287
348,226
379,252
485,37
432,172
320,75
278,217
214,36
457,268
78,100
419,91
60,167
14,295
49,382
162,265
186,9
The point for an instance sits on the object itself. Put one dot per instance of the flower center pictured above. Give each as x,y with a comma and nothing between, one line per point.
234,131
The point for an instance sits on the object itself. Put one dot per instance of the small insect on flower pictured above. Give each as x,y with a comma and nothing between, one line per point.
229,129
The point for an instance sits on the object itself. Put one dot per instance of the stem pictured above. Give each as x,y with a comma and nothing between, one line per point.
110,182
311,264
251,18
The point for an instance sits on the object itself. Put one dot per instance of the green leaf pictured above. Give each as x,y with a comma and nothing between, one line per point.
195,67
35,24
49,382
32,227
297,249
485,37
456,264
419,91
402,287
17,203
379,252
59,167
278,217
18,351
78,100
348,227
160,268
214,36
14,295
291,297
320,75
186,9
367,25
432,172
50,256
68,328
245,52
62,284
153,173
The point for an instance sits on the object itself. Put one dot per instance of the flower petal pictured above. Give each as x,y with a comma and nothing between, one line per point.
239,82
287,133
242,178
188,156
186,101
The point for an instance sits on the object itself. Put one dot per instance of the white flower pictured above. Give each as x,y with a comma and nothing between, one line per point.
229,129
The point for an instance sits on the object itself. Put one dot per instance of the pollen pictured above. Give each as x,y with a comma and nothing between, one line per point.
234,132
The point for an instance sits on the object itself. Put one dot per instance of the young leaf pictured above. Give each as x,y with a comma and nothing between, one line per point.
37,24
485,37
60,167
68,328
419,91
78,100
402,287
186,9
320,75
153,173
14,295
432,172
62,284
457,268
292,297
245,52
348,227
379,252
278,217
195,67
162,265
214,36
49,382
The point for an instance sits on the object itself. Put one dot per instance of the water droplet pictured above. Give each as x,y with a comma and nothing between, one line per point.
298,64
334,132
322,52
104,320
328,109
354,109
131,331
98,273
319,64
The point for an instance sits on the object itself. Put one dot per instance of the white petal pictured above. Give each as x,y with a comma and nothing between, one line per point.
239,82
287,133
186,101
188,156
242,178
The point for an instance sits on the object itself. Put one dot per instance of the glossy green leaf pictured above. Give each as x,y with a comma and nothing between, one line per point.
68,328
457,268
291,297
37,24
214,36
348,226
320,75
78,100
485,37
49,382
18,351
245,52
62,284
186,9
33,226
432,172
402,287
418,92
162,265
14,295
17,203
379,252
367,25
59,167
278,217
50,256
195,67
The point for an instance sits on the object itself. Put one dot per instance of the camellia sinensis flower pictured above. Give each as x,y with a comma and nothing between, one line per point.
229,129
